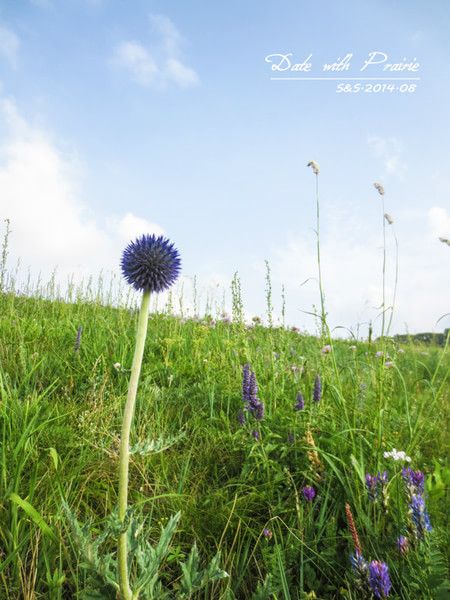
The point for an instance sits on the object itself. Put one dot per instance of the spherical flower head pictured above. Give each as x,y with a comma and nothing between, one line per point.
309,493
151,263
326,349
379,579
267,533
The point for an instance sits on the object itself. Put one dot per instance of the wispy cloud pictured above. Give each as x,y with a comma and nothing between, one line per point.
390,151
9,46
161,65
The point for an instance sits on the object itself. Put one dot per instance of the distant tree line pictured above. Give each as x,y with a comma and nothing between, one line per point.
426,338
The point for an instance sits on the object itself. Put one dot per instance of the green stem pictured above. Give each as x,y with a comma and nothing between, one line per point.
383,314
322,300
124,460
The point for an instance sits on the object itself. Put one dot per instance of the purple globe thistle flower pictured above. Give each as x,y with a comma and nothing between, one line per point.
402,544
151,263
317,392
309,493
379,580
300,402
419,516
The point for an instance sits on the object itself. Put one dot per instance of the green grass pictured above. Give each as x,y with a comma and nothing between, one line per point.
60,418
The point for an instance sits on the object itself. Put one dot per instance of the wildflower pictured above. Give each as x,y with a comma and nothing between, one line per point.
379,354
372,486
415,480
245,382
361,571
379,188
309,493
317,392
388,364
379,580
353,348
267,533
312,454
353,530
151,263
397,455
255,434
117,366
326,349
241,417
388,218
78,338
314,166
444,240
419,516
300,402
402,544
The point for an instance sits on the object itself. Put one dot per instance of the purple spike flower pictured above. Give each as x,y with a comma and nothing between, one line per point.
379,580
151,263
245,382
309,493
300,402
78,339
241,417
317,392
419,516
414,480
250,393
372,486
402,544
255,434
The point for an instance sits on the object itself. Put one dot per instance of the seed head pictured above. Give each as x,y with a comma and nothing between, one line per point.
151,263
314,166
388,218
379,188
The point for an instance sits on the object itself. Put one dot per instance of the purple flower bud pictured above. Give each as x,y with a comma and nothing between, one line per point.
309,493
317,393
403,544
241,417
379,580
300,403
372,486
419,516
267,533
255,434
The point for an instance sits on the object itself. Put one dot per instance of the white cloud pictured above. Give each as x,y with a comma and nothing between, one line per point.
439,220
51,225
160,66
9,46
138,61
390,151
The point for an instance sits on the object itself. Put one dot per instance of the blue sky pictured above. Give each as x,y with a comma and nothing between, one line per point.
122,116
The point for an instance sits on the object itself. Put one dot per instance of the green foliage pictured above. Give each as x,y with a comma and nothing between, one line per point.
60,414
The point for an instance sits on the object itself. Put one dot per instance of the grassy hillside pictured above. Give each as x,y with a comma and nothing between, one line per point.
60,418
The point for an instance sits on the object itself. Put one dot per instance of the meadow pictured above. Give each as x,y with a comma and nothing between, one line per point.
240,482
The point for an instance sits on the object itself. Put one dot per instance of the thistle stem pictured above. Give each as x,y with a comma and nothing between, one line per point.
124,460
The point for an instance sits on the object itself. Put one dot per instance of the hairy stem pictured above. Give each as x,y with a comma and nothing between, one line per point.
124,460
